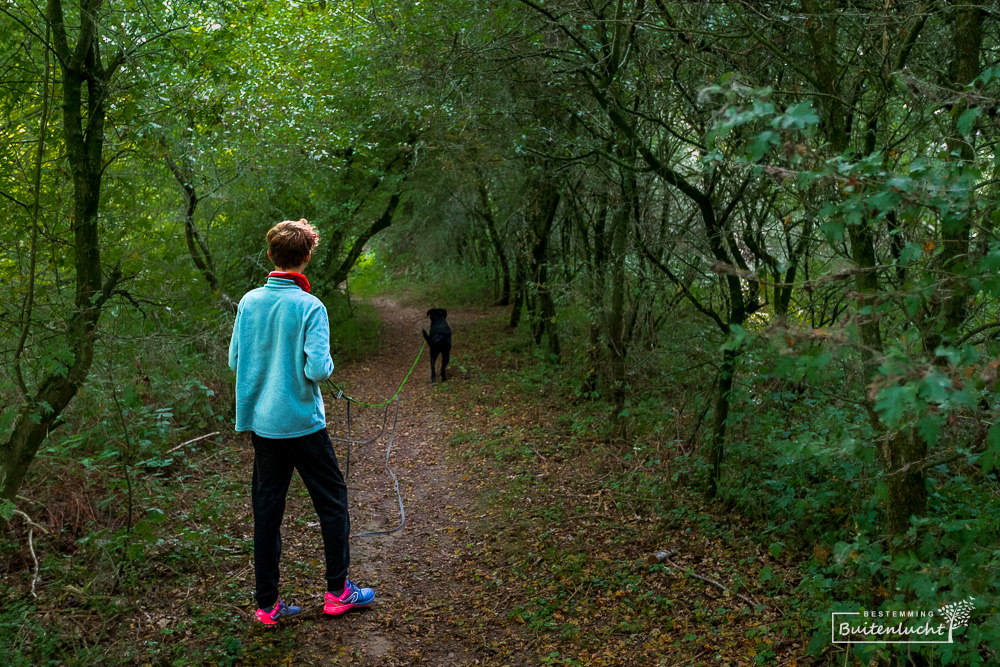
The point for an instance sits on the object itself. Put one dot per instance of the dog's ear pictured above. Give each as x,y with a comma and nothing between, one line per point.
429,312
444,313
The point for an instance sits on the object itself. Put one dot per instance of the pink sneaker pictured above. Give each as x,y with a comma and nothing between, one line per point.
280,609
351,597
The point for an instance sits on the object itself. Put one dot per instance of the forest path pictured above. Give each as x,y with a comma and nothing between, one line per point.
413,571
517,548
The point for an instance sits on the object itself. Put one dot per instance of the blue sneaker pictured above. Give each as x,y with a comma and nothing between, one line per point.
351,597
280,609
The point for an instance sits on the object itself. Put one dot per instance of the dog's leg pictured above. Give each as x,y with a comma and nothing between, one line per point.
445,356
434,359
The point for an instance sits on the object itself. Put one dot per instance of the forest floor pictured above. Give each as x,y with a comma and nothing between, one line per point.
520,546
509,555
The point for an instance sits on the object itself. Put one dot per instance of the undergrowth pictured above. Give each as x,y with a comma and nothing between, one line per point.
140,504
798,524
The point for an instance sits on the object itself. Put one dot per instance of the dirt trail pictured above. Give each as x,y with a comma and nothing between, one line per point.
549,570
411,571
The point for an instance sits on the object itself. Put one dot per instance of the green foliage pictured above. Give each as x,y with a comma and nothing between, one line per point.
725,187
748,108
354,328
27,642
447,284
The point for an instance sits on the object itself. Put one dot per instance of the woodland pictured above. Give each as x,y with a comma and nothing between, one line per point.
724,278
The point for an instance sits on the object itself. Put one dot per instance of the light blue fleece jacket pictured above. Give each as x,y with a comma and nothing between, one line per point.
280,352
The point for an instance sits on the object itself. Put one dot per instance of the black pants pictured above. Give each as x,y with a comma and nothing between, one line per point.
312,455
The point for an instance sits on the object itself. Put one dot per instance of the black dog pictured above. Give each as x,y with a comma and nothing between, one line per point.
439,339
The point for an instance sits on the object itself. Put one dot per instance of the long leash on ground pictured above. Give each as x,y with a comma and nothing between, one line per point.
392,435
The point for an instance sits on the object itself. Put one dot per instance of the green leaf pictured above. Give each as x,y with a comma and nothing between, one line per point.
799,116
930,429
988,75
894,403
737,339
833,229
761,108
991,456
899,183
762,143
884,201
951,354
911,252
967,120
936,385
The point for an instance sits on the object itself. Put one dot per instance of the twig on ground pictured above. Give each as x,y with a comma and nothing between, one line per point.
31,545
660,556
690,660
588,517
31,522
664,557
31,548
192,440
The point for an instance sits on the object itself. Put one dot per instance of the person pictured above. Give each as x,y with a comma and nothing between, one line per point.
280,351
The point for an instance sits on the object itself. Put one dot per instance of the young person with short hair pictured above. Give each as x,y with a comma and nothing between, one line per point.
280,351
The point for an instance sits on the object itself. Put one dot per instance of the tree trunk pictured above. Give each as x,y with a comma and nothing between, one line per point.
197,248
544,203
902,451
377,226
783,293
84,138
491,230
907,488
716,442
518,293
616,317
596,283
967,38
335,276
547,308
404,158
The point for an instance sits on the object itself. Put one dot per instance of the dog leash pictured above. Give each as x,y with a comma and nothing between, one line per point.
349,441
340,392
395,481
351,399
388,451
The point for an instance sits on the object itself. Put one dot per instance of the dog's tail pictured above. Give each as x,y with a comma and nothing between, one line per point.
426,337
